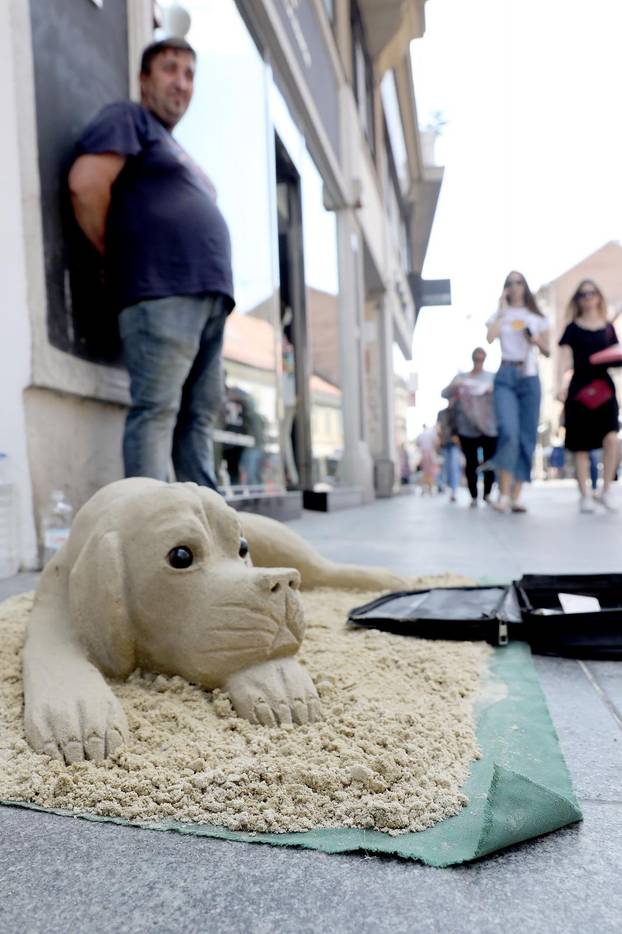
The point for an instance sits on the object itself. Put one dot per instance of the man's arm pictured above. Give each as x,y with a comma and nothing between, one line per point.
449,391
90,182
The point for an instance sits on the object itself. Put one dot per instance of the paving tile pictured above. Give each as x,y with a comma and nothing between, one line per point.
18,584
590,736
64,875
608,678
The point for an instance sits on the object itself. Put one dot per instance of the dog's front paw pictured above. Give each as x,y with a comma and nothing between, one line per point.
274,693
77,719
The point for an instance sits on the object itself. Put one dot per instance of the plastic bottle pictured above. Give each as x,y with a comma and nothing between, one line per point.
57,517
9,530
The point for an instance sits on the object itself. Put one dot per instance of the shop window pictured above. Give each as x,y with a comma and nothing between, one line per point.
320,272
397,212
394,130
228,132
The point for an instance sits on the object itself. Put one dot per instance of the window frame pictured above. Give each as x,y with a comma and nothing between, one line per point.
364,97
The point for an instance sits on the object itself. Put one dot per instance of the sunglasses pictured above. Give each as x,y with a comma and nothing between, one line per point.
513,282
588,293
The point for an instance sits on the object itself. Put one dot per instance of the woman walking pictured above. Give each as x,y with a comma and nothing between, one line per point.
450,450
521,329
427,442
470,395
591,408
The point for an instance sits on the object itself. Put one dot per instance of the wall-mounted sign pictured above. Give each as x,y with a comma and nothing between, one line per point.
429,291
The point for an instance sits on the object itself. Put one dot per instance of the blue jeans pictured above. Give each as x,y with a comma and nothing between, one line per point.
451,466
517,406
251,463
173,352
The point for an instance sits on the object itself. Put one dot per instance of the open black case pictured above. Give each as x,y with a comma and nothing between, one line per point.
528,609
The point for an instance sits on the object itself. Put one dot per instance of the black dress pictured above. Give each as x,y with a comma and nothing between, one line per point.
586,428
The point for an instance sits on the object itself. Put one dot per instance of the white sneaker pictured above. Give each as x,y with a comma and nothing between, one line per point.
586,504
502,504
605,499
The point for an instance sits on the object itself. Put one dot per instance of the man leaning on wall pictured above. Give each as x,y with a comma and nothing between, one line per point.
151,213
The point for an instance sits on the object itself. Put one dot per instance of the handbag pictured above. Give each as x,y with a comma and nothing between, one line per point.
479,412
594,394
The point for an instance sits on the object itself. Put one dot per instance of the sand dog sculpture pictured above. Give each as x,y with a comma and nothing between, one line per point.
159,577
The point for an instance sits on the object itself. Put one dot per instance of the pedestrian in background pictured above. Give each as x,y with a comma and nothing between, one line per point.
152,215
427,442
470,395
591,407
404,461
521,329
449,445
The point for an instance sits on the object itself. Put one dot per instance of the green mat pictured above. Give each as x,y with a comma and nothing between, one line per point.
519,789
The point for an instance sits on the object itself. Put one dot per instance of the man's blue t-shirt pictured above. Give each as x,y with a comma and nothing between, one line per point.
165,234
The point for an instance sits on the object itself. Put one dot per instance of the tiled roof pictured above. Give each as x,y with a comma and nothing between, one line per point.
249,340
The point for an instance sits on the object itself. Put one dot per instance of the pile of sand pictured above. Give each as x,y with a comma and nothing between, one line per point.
392,752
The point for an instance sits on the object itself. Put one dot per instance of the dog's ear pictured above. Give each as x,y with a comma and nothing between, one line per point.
98,605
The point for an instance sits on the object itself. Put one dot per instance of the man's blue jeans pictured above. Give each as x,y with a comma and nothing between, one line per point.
173,352
517,406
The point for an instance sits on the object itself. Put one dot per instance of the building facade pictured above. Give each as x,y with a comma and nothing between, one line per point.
304,117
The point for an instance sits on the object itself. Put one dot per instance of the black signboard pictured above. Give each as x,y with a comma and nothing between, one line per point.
80,64
429,291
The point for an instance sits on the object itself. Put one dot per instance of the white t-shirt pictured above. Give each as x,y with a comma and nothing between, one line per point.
427,439
514,343
477,384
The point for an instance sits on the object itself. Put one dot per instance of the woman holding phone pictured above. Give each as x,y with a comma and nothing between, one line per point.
521,329
591,409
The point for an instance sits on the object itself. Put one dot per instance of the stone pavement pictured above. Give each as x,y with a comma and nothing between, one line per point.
62,875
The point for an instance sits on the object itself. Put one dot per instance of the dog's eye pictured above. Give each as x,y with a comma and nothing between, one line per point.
243,548
180,557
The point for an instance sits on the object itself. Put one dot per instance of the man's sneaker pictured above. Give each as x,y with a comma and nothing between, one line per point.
605,499
473,504
586,504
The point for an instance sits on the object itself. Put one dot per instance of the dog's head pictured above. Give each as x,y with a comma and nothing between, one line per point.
159,578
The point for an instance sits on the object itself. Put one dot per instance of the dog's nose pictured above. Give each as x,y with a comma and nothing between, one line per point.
280,580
